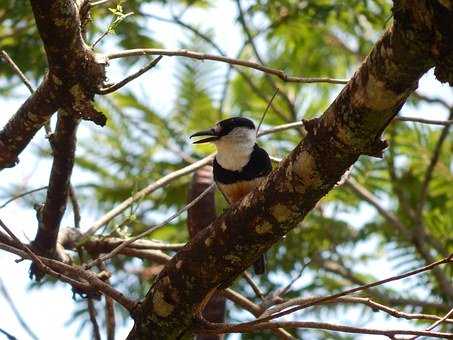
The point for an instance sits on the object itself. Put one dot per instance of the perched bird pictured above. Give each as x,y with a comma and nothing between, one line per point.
240,164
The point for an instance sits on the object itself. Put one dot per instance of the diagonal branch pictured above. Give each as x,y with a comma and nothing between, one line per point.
146,191
429,171
128,79
67,273
350,127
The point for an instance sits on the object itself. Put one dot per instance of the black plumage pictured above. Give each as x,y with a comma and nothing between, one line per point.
259,165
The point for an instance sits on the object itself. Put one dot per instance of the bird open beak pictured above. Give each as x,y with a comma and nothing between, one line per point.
210,132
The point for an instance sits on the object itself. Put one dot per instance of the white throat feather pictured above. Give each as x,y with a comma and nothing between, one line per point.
235,148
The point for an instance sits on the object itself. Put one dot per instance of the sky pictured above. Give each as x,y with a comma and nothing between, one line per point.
41,307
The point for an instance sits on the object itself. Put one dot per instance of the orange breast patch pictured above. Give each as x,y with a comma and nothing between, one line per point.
237,191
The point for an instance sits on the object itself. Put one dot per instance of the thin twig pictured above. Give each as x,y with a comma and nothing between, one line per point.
56,268
431,100
317,301
19,250
410,234
253,285
435,324
109,311
212,328
25,80
359,300
216,47
288,126
144,192
254,309
92,314
75,207
149,229
251,41
21,195
16,312
16,69
429,171
265,111
128,79
100,2
425,121
204,56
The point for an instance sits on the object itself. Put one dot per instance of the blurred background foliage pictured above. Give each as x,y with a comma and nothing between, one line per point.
345,240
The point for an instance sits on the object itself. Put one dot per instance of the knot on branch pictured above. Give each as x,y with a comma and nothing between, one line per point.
443,71
375,149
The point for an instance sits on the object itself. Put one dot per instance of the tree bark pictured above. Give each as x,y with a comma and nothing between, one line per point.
75,74
63,143
199,217
350,127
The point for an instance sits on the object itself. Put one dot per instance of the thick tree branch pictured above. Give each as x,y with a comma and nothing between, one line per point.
351,127
63,144
74,75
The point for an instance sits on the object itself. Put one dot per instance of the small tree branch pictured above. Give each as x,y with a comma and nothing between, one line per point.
15,197
94,323
128,79
56,268
16,69
109,311
356,300
438,322
317,301
416,236
203,56
429,171
254,309
146,191
213,44
245,328
149,229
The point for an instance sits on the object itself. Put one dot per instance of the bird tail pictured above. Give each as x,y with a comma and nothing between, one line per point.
260,265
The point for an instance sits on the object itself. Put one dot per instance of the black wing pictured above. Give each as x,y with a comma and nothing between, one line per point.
259,165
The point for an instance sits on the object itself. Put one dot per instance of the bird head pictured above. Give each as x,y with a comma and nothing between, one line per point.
234,139
231,131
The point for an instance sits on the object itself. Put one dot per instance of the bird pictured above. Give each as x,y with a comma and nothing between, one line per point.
240,165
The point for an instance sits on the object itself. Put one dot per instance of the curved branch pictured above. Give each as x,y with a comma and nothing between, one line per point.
204,56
